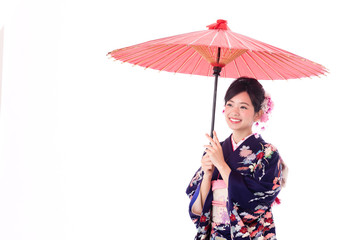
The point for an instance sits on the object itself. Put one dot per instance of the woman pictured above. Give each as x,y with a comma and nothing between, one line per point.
239,179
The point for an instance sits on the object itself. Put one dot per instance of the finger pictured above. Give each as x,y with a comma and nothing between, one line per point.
216,139
206,160
212,142
207,157
207,165
207,169
210,152
208,147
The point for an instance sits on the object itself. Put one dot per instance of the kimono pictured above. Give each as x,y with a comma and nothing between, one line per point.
254,183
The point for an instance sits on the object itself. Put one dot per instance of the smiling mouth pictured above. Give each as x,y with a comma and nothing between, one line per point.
233,120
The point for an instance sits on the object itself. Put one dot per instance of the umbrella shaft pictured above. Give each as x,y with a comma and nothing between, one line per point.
217,71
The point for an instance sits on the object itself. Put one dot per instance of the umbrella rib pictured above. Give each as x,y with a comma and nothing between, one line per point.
205,52
170,54
309,69
122,53
264,46
209,70
164,51
262,69
213,38
247,65
243,43
197,64
171,39
199,38
296,72
271,57
228,40
188,59
258,55
134,56
285,62
237,68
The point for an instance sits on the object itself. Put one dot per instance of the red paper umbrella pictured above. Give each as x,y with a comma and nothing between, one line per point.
216,50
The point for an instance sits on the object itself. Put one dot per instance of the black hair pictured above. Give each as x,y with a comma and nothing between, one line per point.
251,86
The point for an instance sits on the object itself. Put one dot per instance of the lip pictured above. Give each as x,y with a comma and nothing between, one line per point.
235,120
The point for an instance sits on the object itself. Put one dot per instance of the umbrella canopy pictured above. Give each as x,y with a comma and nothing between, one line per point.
237,55
218,50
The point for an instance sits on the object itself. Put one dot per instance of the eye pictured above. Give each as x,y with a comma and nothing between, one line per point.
243,107
229,105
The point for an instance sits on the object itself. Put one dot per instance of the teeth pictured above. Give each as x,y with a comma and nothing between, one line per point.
234,120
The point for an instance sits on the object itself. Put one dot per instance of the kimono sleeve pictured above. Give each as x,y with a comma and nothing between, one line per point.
255,192
202,222
193,191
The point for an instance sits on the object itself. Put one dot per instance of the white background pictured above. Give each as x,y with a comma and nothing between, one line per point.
95,149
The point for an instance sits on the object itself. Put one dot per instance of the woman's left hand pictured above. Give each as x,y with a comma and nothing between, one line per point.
214,151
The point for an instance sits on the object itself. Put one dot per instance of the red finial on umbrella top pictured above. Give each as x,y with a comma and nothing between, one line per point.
220,24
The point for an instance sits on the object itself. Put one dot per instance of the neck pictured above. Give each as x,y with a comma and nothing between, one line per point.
238,135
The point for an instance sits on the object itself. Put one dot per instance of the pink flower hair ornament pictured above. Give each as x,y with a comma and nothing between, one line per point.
267,106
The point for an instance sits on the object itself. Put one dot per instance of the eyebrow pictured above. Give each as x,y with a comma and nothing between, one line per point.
240,102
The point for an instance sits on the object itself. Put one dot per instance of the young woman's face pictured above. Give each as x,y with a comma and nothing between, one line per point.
239,113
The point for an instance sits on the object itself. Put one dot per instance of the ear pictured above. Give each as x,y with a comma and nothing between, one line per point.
258,115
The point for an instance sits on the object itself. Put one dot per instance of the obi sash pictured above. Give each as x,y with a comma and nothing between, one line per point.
220,198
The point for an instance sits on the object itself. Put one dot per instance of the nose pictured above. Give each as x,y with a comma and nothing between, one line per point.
235,111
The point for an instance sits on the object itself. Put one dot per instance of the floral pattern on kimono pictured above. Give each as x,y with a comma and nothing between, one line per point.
254,183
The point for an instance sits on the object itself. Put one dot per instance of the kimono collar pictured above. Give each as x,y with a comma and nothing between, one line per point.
227,145
236,145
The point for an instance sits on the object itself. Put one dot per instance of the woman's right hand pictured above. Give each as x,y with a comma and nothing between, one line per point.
207,166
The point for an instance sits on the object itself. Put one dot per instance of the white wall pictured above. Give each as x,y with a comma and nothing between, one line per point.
95,149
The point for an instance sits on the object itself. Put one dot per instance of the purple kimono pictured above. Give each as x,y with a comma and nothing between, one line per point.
254,183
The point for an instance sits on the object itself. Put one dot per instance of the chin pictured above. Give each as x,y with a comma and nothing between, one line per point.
235,128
